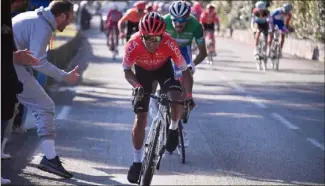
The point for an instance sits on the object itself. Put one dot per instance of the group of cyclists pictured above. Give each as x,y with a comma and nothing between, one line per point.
159,51
263,21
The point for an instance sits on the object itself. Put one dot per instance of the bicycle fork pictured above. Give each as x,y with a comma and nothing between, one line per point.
162,145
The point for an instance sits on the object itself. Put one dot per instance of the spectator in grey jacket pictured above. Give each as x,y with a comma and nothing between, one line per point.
33,30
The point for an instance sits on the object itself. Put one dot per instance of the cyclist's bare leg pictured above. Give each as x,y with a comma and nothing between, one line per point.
176,109
109,30
212,39
257,37
265,40
282,39
270,42
270,38
138,131
117,33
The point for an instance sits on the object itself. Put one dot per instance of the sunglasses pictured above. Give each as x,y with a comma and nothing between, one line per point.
152,38
180,20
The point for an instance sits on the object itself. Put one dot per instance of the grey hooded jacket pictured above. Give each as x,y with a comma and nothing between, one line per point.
33,31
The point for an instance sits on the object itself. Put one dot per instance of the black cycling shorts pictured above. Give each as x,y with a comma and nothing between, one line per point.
208,27
264,28
131,28
164,76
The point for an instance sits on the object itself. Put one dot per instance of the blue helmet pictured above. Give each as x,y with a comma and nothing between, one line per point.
287,7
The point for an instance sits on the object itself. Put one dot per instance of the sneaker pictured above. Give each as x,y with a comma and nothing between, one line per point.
54,166
172,140
134,172
5,181
5,156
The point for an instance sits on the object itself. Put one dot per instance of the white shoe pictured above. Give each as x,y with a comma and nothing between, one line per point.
3,145
5,181
186,141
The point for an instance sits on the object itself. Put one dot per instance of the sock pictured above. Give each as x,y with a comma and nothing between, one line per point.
173,125
137,155
48,149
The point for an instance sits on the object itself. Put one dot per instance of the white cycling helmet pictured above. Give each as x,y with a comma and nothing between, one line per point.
261,5
114,6
179,9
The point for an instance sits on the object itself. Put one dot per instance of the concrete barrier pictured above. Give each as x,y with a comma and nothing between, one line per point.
297,47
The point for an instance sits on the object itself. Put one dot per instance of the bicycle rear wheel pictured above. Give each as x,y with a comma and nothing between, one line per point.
181,147
148,166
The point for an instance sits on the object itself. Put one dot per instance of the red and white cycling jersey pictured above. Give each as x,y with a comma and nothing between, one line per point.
113,17
136,53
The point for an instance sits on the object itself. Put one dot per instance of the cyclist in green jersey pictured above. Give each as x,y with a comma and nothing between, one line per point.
183,27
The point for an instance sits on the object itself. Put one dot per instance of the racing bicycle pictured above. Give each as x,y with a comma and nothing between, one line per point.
155,145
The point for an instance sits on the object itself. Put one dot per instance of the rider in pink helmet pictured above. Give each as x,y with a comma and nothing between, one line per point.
196,9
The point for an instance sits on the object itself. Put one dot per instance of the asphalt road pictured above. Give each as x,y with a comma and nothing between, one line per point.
249,127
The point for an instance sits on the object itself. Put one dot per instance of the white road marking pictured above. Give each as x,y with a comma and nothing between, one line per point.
64,113
315,143
256,102
236,87
284,121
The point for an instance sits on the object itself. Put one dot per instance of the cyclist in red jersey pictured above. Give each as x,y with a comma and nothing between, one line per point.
208,20
150,51
196,9
132,16
113,17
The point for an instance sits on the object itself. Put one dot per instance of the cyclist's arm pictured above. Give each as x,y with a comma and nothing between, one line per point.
128,61
39,39
131,78
199,38
202,18
217,21
179,61
121,21
288,20
253,20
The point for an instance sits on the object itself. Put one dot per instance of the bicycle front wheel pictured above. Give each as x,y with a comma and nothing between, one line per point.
148,167
277,59
181,147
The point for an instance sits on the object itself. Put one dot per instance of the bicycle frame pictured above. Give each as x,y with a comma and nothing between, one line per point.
275,48
155,145
261,53
152,161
